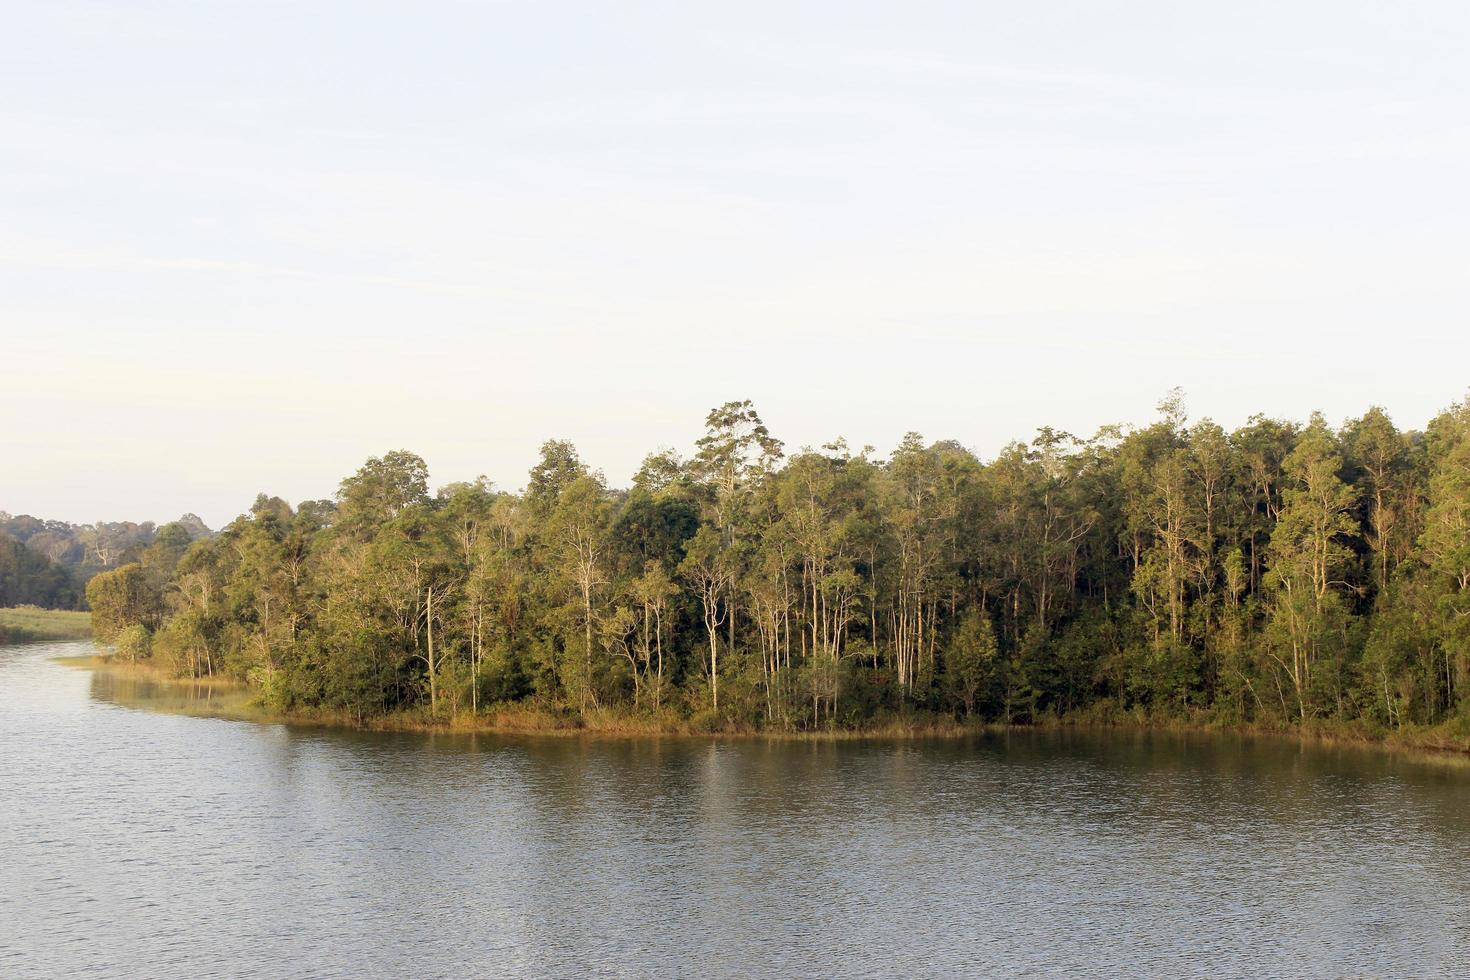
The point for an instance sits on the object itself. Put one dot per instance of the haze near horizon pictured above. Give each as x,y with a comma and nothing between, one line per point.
245,246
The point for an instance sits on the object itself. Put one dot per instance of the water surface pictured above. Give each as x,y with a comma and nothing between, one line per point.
141,843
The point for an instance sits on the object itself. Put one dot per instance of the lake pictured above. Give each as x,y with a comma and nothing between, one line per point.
145,843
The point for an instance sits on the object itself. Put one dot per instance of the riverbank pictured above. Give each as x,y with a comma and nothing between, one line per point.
29,624
502,719
224,698
1448,738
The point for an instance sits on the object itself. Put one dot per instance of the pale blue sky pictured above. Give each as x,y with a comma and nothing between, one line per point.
245,245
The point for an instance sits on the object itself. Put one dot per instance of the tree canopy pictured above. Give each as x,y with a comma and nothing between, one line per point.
49,563
1281,572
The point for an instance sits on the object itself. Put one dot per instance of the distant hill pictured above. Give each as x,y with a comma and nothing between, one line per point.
48,563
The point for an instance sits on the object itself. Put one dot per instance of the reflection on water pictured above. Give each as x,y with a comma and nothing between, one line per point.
196,697
138,842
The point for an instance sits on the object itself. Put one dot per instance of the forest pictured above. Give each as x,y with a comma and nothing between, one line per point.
1280,574
48,563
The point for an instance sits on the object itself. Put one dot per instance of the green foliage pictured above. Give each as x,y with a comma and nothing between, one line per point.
1278,573
118,599
134,643
48,563
972,659
30,578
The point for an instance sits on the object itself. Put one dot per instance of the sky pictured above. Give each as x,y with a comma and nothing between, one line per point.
244,246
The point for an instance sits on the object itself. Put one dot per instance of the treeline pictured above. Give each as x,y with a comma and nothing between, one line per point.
1275,574
48,563
31,579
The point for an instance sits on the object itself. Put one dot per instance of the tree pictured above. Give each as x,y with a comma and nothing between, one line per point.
122,598
706,570
653,591
1308,556
736,445
1445,542
577,534
557,469
1379,452
1279,573
970,657
734,455
381,490
915,514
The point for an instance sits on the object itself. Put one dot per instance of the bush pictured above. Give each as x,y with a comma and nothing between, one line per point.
705,721
134,643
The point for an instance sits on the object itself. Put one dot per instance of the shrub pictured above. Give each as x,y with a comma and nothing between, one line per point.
134,643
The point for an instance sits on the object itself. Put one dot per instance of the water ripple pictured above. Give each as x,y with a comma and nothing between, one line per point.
142,844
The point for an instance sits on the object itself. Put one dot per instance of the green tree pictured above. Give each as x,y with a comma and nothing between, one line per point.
1309,557
970,658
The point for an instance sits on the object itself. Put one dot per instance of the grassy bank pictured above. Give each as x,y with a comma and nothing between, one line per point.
1452,736
23,624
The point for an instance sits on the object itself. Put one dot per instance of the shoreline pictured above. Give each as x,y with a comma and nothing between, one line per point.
524,720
